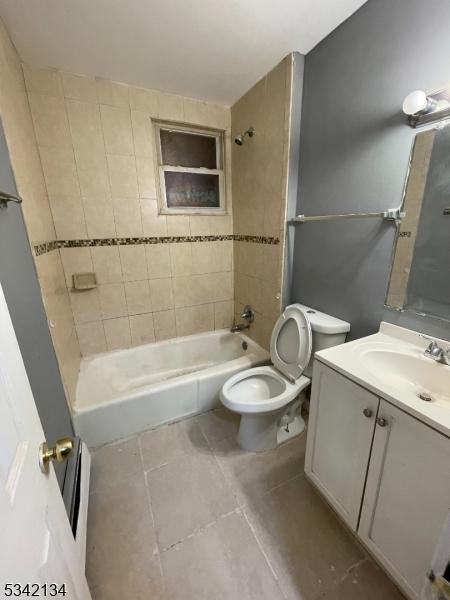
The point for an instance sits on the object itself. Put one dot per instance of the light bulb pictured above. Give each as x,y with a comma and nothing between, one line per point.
418,103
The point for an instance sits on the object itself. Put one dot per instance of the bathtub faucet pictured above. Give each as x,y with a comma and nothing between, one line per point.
248,315
239,327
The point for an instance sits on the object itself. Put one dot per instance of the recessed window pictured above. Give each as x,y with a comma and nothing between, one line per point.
190,170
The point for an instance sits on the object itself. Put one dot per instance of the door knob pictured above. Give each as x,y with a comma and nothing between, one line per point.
60,452
382,422
368,412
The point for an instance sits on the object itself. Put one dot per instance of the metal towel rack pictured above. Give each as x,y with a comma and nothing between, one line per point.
5,198
392,214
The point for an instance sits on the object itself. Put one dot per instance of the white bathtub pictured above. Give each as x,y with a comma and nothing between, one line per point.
123,392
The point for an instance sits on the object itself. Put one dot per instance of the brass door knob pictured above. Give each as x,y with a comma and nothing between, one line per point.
60,452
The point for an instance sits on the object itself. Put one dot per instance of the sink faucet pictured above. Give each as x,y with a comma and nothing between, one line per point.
437,353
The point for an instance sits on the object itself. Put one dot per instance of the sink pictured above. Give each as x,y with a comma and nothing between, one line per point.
409,372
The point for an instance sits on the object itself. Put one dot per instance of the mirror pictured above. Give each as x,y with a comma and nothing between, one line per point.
420,273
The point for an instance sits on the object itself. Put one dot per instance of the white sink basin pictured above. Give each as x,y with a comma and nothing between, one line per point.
409,372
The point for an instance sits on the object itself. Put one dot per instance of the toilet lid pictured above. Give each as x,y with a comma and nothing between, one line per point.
290,345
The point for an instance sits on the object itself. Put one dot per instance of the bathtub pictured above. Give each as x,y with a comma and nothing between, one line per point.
124,392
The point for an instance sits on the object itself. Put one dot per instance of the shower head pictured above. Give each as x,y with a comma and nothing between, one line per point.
239,139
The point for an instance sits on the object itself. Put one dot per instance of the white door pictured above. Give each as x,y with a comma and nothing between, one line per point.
407,496
341,425
36,543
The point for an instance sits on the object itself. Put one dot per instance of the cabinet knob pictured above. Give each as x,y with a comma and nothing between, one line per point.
368,412
382,422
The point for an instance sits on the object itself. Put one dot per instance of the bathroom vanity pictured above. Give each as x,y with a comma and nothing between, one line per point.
378,447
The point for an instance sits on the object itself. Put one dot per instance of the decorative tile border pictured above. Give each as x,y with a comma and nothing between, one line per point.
45,247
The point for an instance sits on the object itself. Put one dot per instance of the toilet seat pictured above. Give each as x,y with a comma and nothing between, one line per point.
268,389
260,390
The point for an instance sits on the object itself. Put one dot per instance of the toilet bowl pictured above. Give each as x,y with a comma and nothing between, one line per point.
269,398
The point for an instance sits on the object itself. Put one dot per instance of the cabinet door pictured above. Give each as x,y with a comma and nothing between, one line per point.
407,496
340,431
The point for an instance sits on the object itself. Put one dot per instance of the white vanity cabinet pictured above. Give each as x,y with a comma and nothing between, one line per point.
407,495
340,432
399,510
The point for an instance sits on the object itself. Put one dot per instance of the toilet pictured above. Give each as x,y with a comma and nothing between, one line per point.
269,398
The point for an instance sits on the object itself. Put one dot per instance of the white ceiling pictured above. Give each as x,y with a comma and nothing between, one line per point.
209,49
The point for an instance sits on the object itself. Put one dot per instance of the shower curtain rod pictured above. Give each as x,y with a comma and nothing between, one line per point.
392,214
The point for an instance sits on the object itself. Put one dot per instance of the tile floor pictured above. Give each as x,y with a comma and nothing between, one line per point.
181,513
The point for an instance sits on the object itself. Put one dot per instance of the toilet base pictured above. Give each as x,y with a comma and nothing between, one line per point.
258,433
296,427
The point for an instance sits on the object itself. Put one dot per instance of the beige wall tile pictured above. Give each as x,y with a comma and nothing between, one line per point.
116,123
146,177
202,257
50,120
223,314
85,306
164,324
117,333
200,225
161,294
181,259
170,107
99,215
60,171
127,217
178,225
194,319
93,175
144,100
219,116
86,131
184,293
106,264
18,124
158,260
142,331
122,176
42,81
221,225
112,300
134,264
79,87
112,93
142,133
91,337
195,112
153,224
138,297
75,260
68,217
223,255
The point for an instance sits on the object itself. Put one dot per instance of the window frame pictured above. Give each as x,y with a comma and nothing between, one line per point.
161,168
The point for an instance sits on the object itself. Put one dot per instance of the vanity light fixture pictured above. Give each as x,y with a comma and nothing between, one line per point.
422,108
418,103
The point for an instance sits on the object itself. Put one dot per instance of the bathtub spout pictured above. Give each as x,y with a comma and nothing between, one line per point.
239,327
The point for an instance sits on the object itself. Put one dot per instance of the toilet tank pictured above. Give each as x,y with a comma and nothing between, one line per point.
327,331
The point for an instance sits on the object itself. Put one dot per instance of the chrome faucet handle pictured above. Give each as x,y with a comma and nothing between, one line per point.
248,314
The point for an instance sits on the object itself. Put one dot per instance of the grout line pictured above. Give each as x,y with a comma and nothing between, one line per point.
203,528
263,552
152,516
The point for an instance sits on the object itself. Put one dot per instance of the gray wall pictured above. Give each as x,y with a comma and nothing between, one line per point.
20,285
354,153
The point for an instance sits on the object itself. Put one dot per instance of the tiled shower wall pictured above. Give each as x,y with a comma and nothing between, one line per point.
260,170
31,186
158,276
